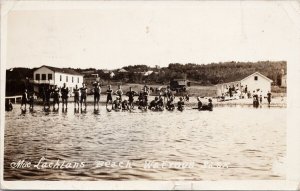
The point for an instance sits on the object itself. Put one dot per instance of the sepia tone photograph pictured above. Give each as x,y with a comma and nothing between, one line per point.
145,91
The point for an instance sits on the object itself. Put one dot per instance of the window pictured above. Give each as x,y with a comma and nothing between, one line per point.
77,79
43,76
66,78
255,77
49,76
72,79
37,76
60,78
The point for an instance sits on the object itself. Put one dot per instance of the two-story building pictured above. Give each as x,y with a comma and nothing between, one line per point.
46,76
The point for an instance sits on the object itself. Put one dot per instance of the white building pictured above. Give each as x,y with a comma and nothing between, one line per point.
111,74
148,73
50,76
254,82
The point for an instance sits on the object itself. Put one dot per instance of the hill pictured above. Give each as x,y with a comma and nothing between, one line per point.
203,74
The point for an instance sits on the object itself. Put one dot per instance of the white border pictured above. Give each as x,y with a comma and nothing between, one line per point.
293,110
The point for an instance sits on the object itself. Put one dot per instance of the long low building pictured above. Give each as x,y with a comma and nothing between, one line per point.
50,76
254,82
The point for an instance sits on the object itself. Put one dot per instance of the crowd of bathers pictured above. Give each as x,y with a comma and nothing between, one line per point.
122,101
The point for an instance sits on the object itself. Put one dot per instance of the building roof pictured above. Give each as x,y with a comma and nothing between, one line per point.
259,74
243,77
122,70
62,70
148,73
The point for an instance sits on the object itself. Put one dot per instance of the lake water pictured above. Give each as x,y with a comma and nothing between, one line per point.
227,143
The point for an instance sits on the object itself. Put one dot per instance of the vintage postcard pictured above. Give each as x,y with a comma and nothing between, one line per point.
150,95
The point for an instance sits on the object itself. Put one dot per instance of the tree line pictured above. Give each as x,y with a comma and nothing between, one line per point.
203,74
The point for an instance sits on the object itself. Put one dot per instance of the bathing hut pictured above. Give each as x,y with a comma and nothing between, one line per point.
255,81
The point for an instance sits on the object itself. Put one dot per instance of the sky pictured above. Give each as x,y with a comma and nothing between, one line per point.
110,35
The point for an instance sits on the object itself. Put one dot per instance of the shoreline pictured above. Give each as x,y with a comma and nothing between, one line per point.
275,102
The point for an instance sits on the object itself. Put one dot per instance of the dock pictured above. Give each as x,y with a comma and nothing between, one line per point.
14,98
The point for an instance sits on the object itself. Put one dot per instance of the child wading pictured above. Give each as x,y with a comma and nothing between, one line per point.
64,95
83,91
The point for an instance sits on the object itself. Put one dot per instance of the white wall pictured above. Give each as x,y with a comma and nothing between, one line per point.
43,70
222,88
261,83
56,78
69,84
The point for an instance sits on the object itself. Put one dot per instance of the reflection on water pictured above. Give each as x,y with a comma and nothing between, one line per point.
249,139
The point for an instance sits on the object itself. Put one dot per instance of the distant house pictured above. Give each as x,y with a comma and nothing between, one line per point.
111,75
122,70
50,76
148,73
255,81
106,71
88,72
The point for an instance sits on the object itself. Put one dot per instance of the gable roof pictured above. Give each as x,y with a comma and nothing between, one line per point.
62,70
238,78
122,70
259,74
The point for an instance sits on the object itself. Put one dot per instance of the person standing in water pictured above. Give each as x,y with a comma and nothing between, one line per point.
76,96
83,92
119,92
97,92
31,100
46,97
109,92
55,96
141,99
146,95
64,95
24,99
131,95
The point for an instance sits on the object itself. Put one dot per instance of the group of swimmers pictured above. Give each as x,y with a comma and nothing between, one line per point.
143,100
119,103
